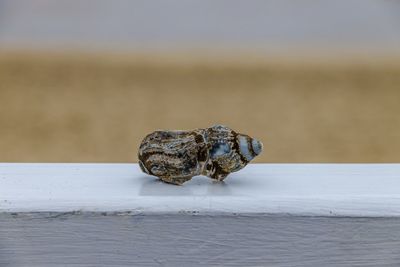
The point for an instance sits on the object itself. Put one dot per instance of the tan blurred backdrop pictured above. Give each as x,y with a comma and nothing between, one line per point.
68,105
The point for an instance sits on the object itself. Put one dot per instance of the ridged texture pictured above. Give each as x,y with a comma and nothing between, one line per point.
176,156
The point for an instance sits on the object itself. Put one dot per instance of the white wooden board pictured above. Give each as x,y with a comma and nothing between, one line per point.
295,189
189,240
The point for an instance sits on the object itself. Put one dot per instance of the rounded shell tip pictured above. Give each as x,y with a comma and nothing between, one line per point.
257,146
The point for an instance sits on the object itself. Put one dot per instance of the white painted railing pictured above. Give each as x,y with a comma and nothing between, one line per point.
296,189
140,221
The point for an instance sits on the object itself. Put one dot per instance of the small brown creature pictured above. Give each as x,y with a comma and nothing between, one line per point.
176,156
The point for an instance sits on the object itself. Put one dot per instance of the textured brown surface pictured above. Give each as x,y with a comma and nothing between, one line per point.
176,156
74,108
173,156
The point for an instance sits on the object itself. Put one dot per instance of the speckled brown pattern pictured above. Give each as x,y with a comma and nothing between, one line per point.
176,156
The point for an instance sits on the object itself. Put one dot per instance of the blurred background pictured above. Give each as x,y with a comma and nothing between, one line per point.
85,81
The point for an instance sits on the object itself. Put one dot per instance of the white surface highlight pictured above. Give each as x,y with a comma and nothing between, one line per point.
296,189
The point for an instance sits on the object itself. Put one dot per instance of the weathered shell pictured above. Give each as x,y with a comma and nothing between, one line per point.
176,156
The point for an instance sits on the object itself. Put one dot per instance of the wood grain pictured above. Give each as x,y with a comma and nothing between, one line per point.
166,240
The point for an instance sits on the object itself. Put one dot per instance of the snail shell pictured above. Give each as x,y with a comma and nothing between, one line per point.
176,156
